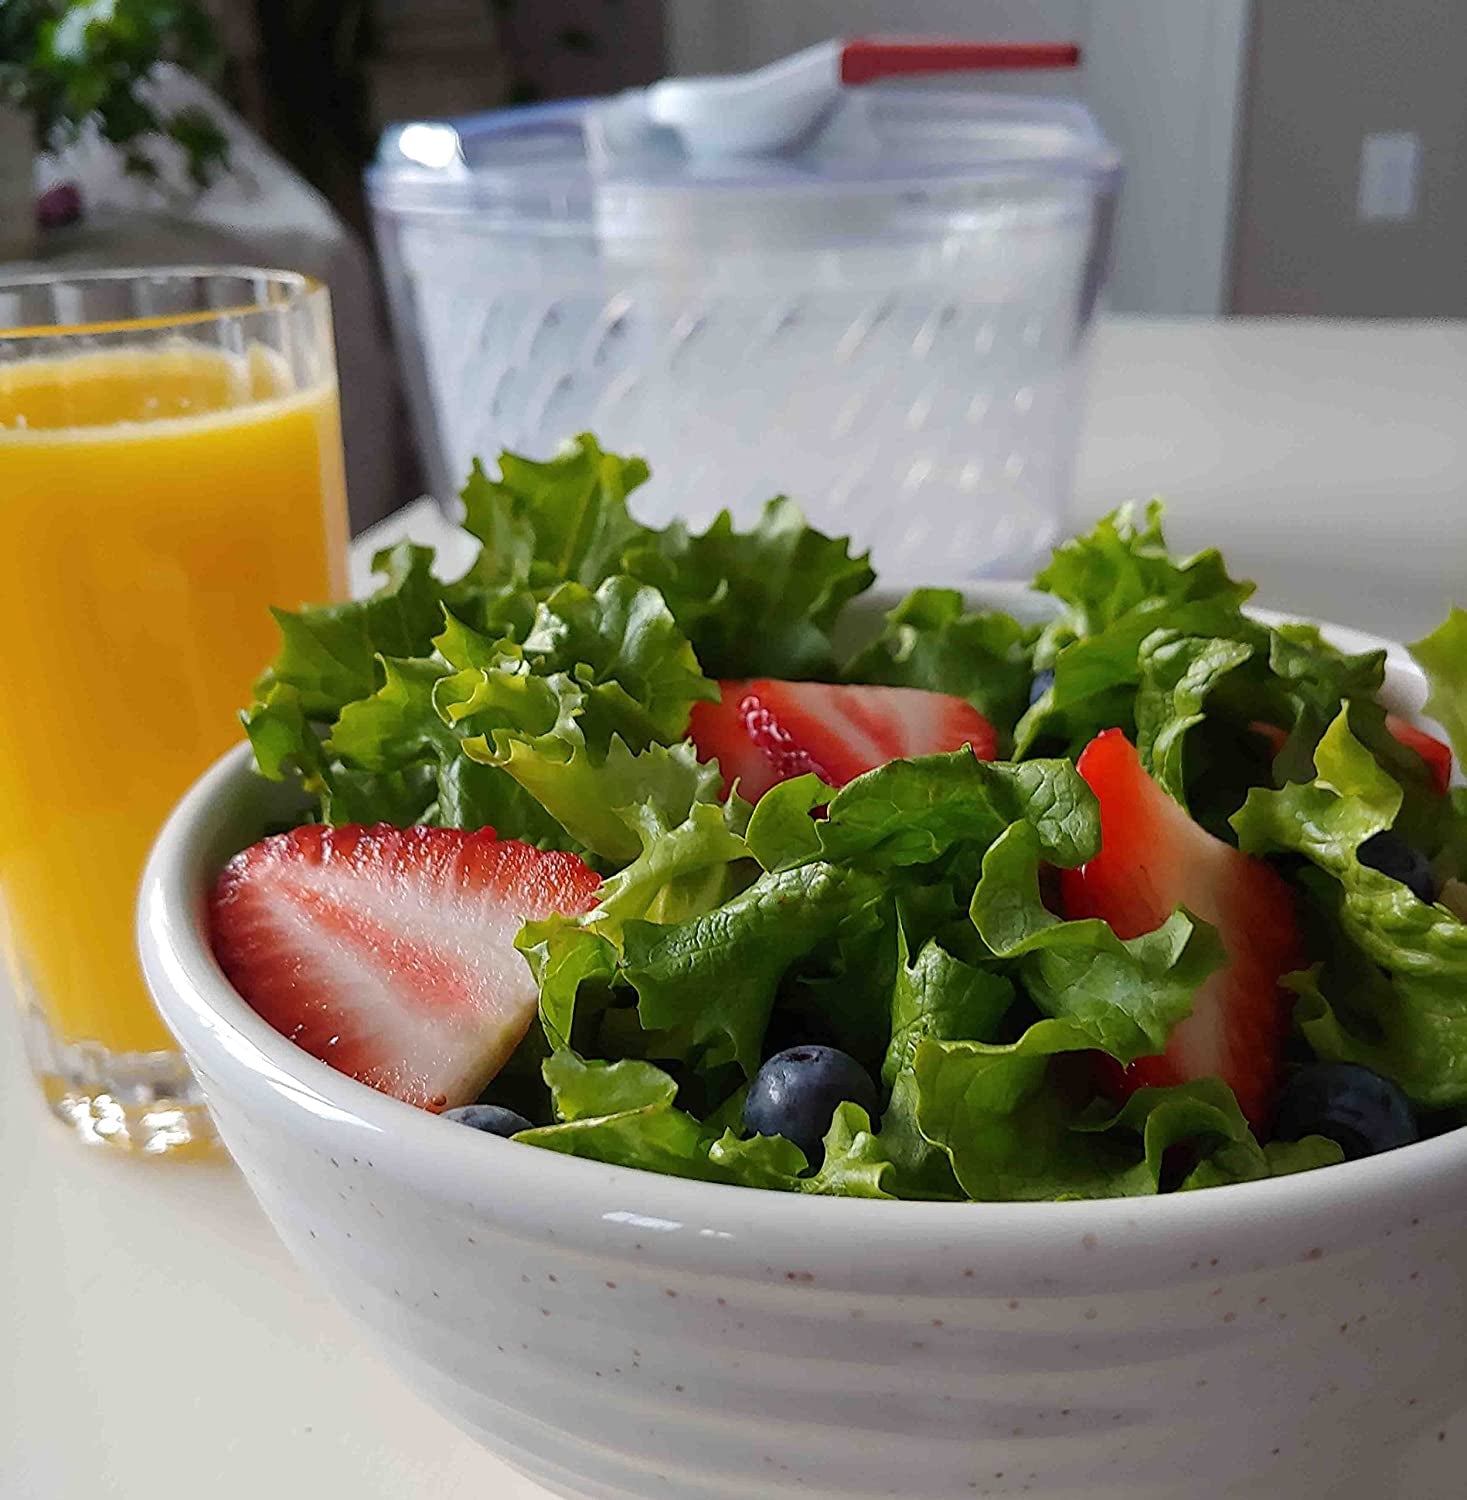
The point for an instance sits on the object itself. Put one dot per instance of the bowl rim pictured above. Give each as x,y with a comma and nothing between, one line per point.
207,1015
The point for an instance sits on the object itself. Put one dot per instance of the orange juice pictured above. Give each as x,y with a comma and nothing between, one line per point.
153,502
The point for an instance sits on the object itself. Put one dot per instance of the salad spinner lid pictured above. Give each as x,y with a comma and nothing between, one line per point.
804,125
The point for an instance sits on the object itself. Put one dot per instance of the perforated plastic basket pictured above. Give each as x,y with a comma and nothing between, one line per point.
888,323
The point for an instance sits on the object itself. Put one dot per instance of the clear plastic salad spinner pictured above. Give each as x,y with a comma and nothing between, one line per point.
874,299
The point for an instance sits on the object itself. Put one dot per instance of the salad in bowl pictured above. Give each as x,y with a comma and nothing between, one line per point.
619,846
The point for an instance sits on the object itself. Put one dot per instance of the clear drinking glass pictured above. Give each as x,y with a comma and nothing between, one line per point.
170,465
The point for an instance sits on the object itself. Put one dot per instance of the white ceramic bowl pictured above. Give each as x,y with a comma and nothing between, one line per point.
625,1336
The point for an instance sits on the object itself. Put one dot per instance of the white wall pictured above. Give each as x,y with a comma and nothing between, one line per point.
1318,234
1164,77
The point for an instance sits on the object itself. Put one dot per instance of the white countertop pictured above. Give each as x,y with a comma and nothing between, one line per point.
160,1340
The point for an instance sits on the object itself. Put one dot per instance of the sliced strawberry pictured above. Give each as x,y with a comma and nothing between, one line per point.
389,952
1277,738
1154,858
1438,757
766,731
718,733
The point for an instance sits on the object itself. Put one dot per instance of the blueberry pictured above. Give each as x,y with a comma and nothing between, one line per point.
491,1118
1358,1108
1041,684
795,1094
1389,853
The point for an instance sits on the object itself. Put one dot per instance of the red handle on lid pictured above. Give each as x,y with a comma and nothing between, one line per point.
864,59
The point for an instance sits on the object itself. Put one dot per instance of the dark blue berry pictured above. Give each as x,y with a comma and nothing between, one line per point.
1358,1108
795,1094
1389,853
491,1118
1041,684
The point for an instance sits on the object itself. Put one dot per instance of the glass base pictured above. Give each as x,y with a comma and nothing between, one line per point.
144,1103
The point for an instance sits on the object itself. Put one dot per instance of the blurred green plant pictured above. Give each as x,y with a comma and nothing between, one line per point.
71,63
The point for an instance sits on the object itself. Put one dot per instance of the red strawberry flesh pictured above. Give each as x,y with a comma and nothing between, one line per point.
766,731
1153,858
1438,757
389,952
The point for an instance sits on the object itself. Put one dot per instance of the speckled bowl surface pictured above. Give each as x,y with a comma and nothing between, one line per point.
623,1336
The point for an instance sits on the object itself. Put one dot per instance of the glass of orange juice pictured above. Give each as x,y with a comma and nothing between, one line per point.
170,464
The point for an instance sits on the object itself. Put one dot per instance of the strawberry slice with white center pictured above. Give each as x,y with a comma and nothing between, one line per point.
389,952
1154,858
766,731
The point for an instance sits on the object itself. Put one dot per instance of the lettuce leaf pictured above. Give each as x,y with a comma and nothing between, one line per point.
586,714
1400,1003
705,984
402,797
1317,678
1012,1134
682,871
783,832
400,731
766,1161
329,654
1122,565
622,1113
591,798
713,978
625,1113
1442,655
506,725
396,725
404,772
1178,674
936,996
854,1163
759,603
1127,995
930,641
1117,584
912,812
282,736
542,524
1096,676
755,603
620,644
1247,1161
564,956
632,670
1162,647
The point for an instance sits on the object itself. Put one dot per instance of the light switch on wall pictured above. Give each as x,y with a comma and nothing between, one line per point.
1390,172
